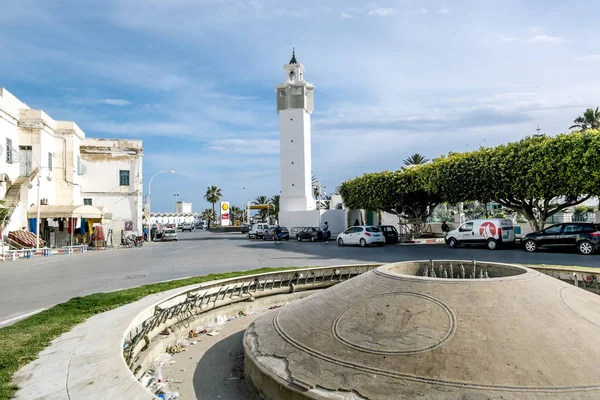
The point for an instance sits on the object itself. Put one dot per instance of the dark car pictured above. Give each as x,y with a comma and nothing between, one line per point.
390,232
584,236
311,234
270,234
245,228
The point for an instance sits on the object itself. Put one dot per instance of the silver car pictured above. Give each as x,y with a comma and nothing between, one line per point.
169,235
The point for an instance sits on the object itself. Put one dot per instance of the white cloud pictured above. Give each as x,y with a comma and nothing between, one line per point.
589,57
115,102
381,12
347,16
444,11
245,146
543,38
419,11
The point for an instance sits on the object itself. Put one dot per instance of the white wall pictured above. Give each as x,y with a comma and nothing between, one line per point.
295,142
336,219
103,159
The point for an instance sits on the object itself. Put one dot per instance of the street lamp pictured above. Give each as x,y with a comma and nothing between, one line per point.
242,190
150,189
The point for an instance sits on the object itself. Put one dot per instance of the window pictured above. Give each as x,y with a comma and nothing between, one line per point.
87,202
9,152
373,229
50,161
468,227
553,229
124,177
573,228
357,229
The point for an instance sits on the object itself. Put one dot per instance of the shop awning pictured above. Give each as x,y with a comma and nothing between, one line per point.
55,211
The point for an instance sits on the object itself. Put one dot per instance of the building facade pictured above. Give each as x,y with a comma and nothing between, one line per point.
47,167
113,180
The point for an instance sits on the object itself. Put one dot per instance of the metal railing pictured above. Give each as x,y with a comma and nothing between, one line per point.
211,295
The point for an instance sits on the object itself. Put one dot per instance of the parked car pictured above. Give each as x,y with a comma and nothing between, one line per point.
169,235
258,230
361,235
186,227
492,233
390,233
245,228
311,234
584,236
270,233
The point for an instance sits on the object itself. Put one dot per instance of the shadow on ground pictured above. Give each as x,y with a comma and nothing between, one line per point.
220,372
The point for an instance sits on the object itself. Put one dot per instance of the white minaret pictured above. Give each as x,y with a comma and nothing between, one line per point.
295,103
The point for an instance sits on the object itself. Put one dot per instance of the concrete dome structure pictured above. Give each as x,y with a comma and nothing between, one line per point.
493,331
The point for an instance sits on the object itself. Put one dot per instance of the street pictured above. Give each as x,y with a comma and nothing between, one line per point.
28,286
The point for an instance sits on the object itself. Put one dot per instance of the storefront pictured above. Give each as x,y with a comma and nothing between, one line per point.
71,225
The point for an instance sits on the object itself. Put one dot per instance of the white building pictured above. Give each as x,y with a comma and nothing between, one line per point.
182,207
295,104
113,180
38,152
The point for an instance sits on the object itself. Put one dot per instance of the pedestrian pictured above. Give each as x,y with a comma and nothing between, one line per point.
445,227
145,233
356,223
326,232
277,235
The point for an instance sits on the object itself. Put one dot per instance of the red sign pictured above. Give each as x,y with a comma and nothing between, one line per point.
487,230
225,216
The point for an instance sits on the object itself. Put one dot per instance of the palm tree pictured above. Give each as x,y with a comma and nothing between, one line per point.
315,186
589,120
263,214
208,215
415,159
274,201
213,195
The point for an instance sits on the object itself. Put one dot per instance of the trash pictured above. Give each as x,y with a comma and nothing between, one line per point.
194,342
274,307
145,380
242,314
162,360
158,375
167,331
176,348
192,334
215,333
172,395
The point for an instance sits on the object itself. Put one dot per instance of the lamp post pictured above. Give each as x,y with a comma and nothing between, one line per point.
37,217
150,189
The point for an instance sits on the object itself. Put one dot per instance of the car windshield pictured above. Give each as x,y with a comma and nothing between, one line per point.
283,229
169,231
373,229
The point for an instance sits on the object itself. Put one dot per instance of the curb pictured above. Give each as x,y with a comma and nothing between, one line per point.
424,241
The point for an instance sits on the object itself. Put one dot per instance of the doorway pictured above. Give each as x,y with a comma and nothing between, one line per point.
25,160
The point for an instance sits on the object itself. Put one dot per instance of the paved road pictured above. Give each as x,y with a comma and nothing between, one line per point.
27,286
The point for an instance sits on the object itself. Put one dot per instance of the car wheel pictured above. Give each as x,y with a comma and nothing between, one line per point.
585,247
492,244
363,243
530,245
340,242
312,238
298,238
453,243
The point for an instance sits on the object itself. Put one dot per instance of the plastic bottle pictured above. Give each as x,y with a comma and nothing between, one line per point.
158,375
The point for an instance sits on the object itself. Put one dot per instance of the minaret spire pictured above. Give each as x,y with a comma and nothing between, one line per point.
293,60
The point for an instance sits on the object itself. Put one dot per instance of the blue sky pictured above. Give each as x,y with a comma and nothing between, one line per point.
195,79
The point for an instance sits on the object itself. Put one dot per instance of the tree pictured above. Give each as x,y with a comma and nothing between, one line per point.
316,188
209,216
537,177
263,213
274,210
213,195
415,159
405,193
589,120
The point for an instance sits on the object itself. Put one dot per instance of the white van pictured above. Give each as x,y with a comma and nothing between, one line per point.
490,232
258,230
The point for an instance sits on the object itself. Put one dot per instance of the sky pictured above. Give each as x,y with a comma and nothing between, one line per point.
195,80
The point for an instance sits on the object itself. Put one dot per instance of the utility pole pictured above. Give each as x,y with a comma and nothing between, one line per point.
538,129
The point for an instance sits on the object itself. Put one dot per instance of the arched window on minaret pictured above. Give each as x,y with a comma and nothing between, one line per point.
292,76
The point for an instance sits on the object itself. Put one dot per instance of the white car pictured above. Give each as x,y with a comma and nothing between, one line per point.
361,235
257,231
492,233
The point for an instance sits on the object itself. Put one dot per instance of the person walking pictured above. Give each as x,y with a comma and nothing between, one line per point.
445,227
326,233
277,235
145,233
